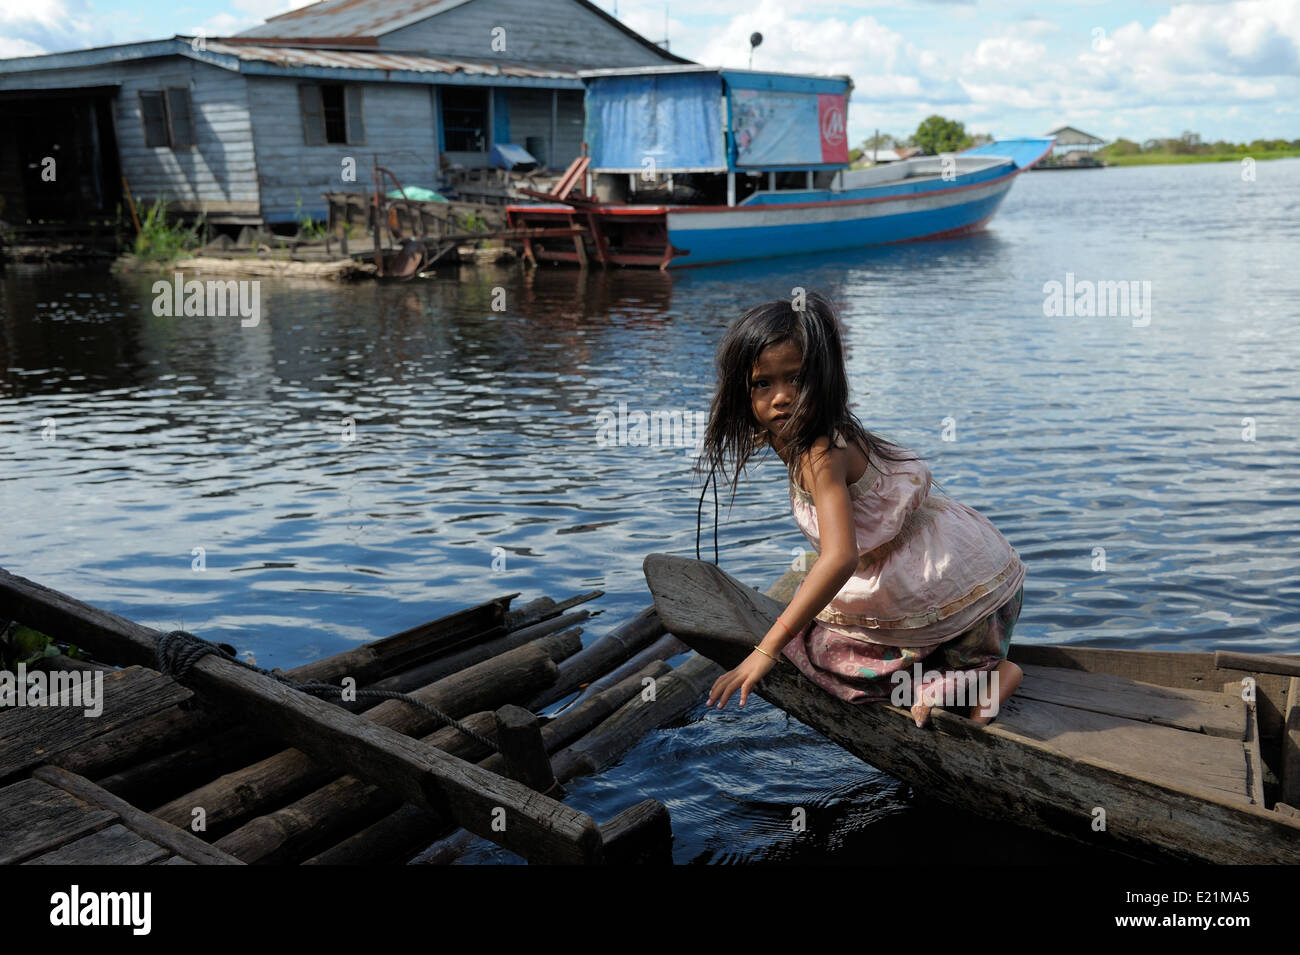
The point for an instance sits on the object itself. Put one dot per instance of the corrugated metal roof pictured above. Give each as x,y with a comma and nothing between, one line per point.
340,18
293,57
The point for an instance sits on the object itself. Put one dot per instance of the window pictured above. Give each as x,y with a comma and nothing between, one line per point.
167,117
331,113
464,118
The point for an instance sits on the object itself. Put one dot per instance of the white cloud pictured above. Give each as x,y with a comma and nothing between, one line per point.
249,14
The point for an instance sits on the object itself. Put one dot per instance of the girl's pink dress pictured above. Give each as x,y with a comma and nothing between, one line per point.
936,584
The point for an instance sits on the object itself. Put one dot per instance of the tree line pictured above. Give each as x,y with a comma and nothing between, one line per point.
937,134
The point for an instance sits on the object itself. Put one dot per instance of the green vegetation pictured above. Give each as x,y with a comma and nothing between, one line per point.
1189,148
937,135
19,644
163,241
310,229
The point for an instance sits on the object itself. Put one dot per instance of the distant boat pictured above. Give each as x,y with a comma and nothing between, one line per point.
646,126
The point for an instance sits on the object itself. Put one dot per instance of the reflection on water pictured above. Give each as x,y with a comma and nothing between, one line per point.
476,440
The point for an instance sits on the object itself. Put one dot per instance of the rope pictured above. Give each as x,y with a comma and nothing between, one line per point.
178,651
699,517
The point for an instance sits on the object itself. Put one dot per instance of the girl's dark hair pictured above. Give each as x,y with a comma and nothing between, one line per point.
821,408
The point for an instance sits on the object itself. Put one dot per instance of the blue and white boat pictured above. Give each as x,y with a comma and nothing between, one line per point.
693,165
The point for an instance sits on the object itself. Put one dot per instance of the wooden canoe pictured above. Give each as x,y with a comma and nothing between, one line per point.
1163,743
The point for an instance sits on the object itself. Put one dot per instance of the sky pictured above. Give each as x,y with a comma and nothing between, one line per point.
1004,67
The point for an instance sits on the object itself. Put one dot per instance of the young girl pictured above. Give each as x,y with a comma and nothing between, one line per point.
904,574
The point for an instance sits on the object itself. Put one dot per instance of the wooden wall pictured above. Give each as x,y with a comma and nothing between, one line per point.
217,175
399,127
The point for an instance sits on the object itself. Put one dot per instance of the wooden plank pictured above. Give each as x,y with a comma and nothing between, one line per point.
35,734
1199,711
1290,775
1190,670
988,770
639,835
116,845
177,841
1177,757
1254,760
36,817
1257,662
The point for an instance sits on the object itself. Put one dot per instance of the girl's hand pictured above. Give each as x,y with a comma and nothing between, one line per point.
743,678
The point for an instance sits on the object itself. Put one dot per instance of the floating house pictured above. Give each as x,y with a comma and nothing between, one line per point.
251,129
1074,149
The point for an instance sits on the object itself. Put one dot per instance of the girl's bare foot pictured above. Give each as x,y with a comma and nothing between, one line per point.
1008,679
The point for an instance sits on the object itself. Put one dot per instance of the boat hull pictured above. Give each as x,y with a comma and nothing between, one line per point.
926,198
727,235
1039,764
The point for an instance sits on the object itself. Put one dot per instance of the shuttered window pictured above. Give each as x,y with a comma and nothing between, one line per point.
154,115
313,115
355,123
332,113
180,118
167,117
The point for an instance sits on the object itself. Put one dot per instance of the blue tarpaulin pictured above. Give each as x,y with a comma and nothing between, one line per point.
674,119
512,156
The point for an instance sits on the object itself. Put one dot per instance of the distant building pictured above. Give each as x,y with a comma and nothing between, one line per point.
1070,141
889,155
252,128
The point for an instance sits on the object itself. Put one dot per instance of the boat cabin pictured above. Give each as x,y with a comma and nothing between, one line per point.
699,135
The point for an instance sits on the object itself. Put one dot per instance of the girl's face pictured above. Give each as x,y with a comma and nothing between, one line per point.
774,387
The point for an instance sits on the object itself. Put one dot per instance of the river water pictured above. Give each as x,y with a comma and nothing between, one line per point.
370,457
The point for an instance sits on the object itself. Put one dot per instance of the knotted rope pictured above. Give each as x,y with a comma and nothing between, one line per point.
179,650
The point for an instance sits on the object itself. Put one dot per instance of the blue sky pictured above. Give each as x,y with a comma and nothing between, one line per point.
1133,69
